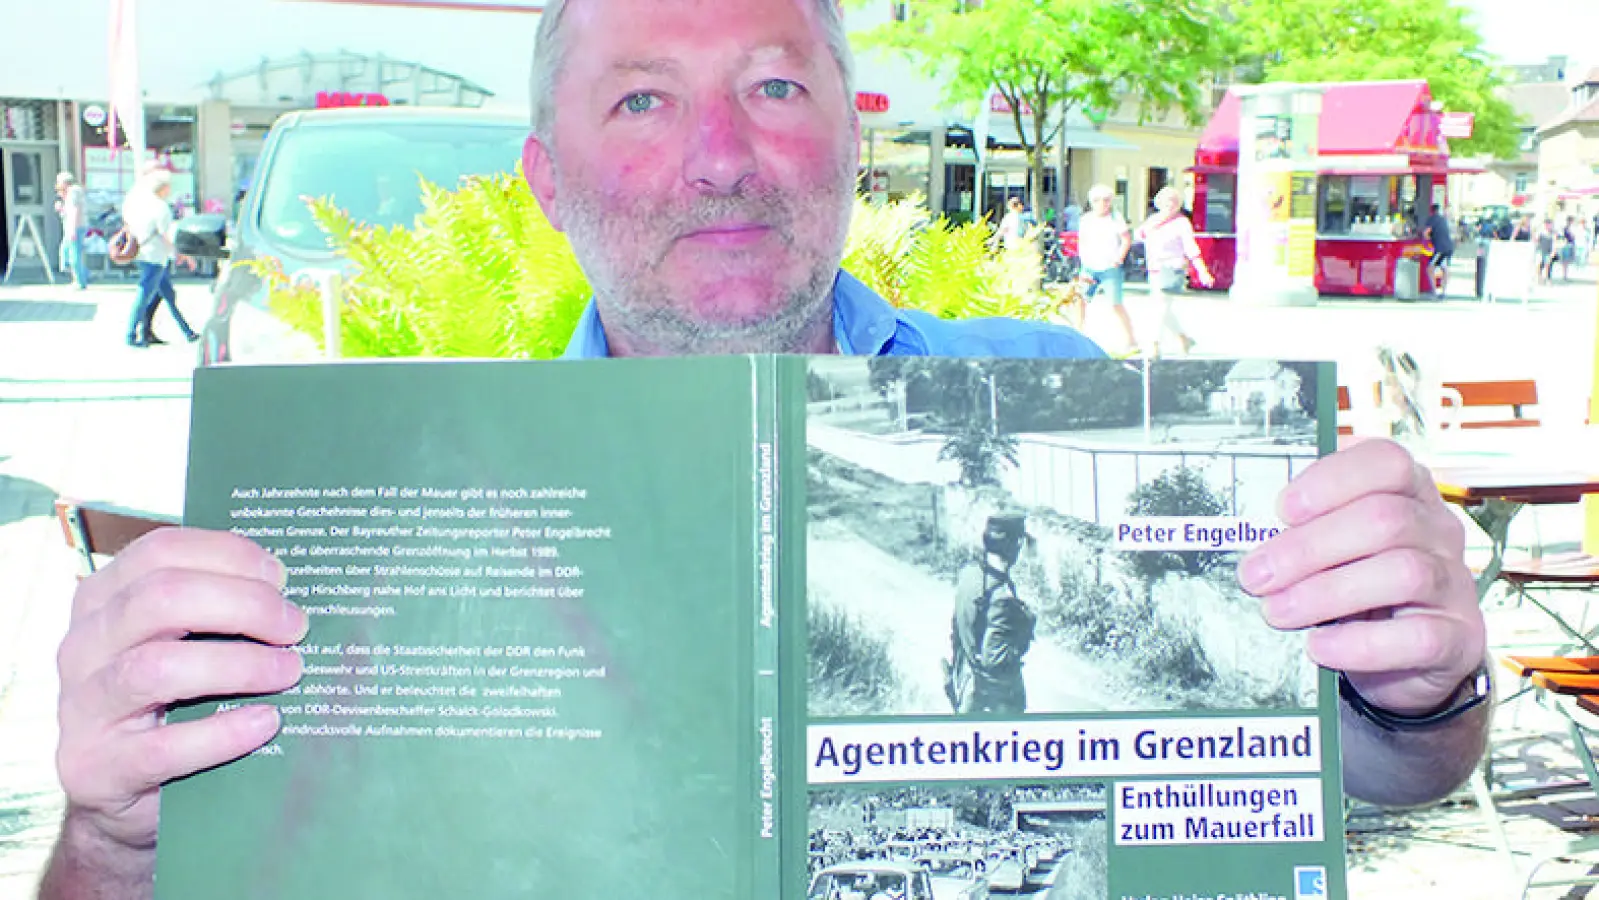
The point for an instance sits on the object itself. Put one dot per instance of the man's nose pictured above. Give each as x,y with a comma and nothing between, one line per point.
720,156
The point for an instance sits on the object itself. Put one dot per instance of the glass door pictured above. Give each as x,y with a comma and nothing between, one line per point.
27,174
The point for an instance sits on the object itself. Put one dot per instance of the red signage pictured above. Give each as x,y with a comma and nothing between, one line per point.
338,99
998,104
1458,126
868,102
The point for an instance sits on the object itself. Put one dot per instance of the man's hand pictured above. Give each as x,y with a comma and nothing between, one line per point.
125,660
1372,562
188,262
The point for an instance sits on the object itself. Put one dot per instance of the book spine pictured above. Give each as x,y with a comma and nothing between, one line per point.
767,862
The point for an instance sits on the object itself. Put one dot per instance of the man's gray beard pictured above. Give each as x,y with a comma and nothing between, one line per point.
632,304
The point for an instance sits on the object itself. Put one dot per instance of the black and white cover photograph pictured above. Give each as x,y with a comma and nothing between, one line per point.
958,842
962,519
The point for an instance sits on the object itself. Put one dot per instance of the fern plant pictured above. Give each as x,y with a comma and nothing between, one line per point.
481,273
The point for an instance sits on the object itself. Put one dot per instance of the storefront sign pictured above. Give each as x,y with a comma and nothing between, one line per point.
998,104
94,115
1458,126
868,102
340,99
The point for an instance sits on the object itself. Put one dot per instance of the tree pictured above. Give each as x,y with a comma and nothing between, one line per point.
1047,57
1373,40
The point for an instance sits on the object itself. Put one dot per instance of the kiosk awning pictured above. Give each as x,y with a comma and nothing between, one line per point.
1370,117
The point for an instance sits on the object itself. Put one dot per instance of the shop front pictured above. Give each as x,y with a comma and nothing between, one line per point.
1379,164
30,157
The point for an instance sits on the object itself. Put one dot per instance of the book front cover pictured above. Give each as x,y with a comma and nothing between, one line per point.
1031,670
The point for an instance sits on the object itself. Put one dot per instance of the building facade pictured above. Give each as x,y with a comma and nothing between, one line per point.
214,77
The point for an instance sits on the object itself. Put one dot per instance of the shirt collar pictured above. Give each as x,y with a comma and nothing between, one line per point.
864,324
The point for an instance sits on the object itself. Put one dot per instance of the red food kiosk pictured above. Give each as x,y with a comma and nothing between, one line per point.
1381,162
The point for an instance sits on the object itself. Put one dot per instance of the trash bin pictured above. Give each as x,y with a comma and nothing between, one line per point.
1407,279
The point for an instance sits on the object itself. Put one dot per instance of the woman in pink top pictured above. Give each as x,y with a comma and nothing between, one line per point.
1169,247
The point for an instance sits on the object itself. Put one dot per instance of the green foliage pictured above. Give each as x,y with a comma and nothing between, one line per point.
1048,56
1374,40
481,273
1180,491
950,270
851,671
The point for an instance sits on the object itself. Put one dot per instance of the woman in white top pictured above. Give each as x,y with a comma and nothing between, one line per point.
1103,240
1169,248
148,218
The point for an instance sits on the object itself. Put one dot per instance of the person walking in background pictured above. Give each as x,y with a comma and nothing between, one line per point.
1544,251
1013,226
73,207
1169,248
1566,248
1443,249
148,218
1103,241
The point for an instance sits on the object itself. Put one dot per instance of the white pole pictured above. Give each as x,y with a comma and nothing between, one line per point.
332,300
1148,423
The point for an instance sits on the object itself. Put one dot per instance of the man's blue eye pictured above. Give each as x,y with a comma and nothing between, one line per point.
639,103
777,89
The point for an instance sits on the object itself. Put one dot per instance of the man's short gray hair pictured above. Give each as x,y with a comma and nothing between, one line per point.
549,56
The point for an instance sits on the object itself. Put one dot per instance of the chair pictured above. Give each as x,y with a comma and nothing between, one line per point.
98,529
1343,407
1566,681
1476,396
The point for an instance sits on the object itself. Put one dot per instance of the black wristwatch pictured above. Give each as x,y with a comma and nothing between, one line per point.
1472,693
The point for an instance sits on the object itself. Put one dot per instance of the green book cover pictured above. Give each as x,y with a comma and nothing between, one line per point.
780,627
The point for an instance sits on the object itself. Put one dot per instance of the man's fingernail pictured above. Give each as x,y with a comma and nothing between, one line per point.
297,618
289,664
260,716
276,572
1254,573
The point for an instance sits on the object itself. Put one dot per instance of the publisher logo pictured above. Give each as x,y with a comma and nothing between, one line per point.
1310,882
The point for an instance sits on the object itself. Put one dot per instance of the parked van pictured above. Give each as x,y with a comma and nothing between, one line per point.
370,161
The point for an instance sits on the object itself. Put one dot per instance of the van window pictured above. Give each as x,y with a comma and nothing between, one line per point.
373,170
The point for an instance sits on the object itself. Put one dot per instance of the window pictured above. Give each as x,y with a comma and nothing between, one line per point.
1523,181
371,170
900,10
1220,191
1529,140
1369,205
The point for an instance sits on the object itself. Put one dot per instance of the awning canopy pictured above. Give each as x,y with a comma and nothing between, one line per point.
1080,135
1375,117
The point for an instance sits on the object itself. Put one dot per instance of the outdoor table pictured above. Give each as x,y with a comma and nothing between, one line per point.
1492,487
1493,493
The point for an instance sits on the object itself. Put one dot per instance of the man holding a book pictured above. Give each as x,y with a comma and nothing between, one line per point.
702,159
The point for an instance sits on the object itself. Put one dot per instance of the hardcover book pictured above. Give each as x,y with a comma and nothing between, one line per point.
833,628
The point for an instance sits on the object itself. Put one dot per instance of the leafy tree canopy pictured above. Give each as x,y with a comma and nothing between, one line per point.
1046,56
1376,40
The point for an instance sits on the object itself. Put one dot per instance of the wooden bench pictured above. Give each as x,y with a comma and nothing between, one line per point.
99,529
1459,397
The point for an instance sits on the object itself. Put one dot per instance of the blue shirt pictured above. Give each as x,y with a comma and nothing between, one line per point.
867,325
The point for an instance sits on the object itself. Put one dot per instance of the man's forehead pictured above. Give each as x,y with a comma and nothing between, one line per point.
769,25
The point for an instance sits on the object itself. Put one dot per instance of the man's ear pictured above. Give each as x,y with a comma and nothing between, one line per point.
539,170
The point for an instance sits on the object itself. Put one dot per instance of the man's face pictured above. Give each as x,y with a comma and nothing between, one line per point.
702,161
